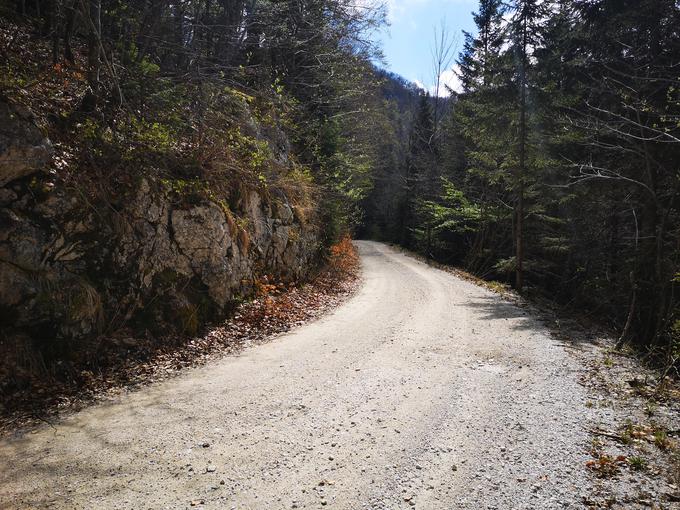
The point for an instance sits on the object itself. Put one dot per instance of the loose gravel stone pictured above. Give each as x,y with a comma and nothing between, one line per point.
432,391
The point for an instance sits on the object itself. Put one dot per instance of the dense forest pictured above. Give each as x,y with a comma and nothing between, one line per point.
162,162
556,167
159,74
243,264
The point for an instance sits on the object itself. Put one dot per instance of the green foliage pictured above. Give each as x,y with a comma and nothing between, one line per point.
188,191
661,439
560,142
12,78
135,143
150,136
253,154
454,215
674,338
506,266
559,160
637,463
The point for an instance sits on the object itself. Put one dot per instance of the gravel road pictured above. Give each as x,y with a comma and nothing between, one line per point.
423,390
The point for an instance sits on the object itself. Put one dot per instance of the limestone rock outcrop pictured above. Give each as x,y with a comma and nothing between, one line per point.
73,266
23,147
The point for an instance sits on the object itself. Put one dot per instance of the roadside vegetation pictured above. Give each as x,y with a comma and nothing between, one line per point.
253,121
554,169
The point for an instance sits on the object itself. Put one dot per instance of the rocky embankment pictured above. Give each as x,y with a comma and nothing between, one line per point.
78,262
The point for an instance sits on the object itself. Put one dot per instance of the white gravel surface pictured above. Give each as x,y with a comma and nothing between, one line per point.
423,390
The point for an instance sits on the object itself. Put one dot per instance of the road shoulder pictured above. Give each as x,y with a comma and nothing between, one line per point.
135,362
633,415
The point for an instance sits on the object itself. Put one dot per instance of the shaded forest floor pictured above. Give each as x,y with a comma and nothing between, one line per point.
124,362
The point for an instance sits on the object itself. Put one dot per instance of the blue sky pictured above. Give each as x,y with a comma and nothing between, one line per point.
407,42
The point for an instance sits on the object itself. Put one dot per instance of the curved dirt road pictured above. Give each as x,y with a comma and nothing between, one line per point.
423,390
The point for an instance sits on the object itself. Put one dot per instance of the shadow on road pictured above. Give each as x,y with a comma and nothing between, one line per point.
529,317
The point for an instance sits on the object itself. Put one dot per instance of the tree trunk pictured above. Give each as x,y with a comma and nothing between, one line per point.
93,52
631,314
68,31
519,212
54,24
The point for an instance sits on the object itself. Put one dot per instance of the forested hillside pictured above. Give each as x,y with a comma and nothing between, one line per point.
187,186
161,76
160,159
161,162
556,167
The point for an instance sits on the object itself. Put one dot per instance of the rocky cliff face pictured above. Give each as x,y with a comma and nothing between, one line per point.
74,264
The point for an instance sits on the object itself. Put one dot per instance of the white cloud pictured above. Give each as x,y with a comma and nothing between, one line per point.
447,80
398,8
